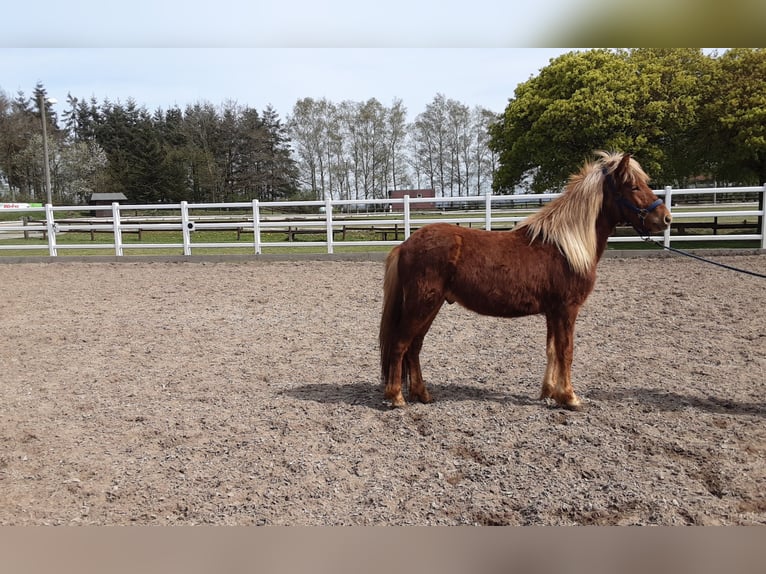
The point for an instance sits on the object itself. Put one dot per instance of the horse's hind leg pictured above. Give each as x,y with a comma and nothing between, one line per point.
396,375
418,390
405,359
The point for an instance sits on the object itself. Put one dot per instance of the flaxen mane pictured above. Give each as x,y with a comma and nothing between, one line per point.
569,222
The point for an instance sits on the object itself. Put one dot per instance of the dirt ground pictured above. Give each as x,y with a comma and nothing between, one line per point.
248,393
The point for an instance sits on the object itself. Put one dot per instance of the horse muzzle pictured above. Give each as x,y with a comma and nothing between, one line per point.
654,218
656,221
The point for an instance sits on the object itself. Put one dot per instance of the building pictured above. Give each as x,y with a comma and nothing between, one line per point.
105,199
413,193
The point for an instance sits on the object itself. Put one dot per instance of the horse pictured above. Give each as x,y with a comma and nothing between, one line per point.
544,265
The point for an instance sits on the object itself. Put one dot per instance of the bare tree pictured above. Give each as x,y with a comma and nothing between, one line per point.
307,129
362,150
484,159
397,132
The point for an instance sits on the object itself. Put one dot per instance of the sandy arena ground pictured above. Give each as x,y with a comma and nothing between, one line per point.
247,393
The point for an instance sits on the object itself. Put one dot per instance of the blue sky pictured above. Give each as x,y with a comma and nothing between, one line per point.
261,52
281,23
257,77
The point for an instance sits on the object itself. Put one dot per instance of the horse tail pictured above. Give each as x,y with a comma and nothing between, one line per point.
393,298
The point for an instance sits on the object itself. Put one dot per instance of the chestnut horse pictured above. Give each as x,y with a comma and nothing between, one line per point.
546,264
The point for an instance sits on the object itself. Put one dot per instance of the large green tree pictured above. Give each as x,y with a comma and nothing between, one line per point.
673,85
736,117
577,103
645,101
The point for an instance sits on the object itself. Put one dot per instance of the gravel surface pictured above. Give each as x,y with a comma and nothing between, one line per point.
248,393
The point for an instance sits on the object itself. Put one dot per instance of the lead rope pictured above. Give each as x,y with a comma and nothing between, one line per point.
697,257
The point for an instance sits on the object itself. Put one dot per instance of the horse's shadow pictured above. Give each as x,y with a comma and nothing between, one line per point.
369,395
672,402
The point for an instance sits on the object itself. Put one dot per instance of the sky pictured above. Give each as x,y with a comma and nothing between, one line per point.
267,52
166,53
281,23
259,77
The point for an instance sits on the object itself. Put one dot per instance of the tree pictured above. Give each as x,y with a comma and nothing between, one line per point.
308,129
645,101
71,118
21,148
83,119
736,117
205,154
673,85
279,172
396,133
15,128
580,102
79,171
351,150
367,128
484,160
430,140
265,168
201,133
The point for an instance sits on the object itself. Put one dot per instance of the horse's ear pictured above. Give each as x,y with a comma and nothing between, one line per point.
624,167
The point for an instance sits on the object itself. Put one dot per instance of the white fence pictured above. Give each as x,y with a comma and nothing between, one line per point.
736,211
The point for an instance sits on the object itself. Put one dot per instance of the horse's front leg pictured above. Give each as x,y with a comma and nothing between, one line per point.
551,367
562,325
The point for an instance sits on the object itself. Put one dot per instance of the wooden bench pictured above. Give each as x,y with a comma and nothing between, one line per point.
40,226
291,231
383,232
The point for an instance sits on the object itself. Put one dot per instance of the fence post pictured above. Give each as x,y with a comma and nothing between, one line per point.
117,229
328,219
257,226
762,216
406,210
488,211
669,205
186,227
52,227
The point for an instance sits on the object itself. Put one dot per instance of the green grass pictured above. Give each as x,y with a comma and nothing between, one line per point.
175,237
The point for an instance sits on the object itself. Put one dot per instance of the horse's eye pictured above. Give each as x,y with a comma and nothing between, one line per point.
635,188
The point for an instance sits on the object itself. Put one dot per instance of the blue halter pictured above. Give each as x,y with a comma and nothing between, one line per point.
642,212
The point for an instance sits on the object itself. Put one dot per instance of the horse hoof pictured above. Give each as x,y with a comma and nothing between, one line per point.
398,402
424,398
568,403
573,405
